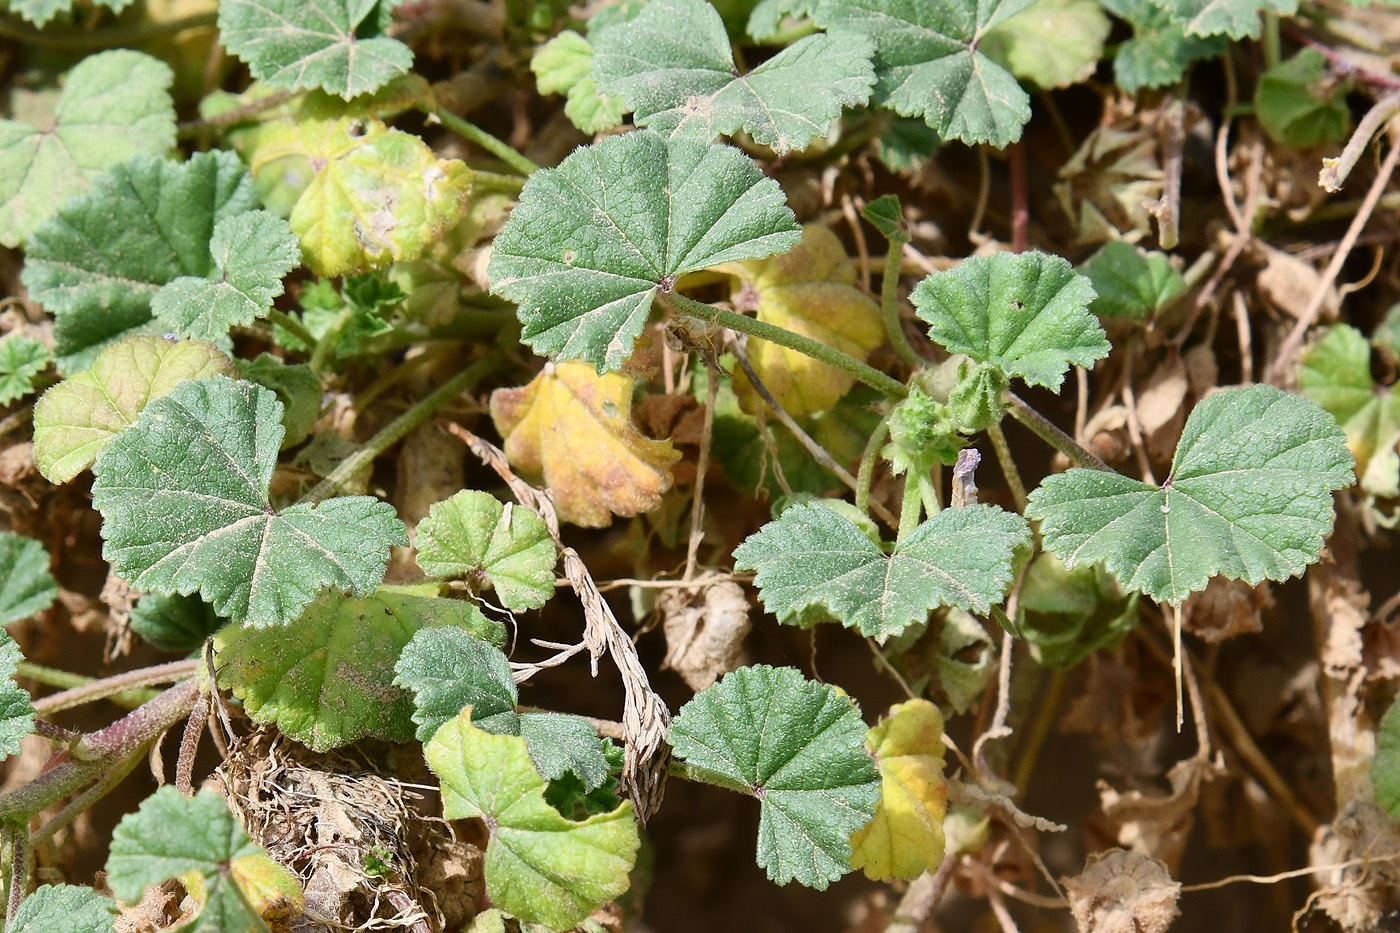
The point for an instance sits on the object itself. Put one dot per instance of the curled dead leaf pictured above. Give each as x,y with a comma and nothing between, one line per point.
1123,892
1226,608
704,642
1155,823
571,429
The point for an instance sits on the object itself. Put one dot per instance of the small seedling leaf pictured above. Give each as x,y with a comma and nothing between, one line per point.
338,46
114,105
473,535
1024,313
571,429
1131,283
811,556
196,840
98,262
251,253
1160,50
26,584
65,908
1335,372
326,679
184,503
905,839
1300,103
593,240
796,745
77,418
1248,497
675,67
21,359
928,63
540,866
448,669
564,65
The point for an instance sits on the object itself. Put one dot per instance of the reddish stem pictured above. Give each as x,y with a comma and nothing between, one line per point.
1020,196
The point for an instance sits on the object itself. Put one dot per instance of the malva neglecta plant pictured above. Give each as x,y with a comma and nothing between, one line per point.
347,391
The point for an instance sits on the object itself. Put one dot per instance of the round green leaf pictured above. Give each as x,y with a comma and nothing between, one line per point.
26,585
473,535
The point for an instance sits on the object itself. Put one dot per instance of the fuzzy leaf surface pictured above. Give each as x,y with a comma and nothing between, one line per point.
1160,50
338,46
811,556
98,262
114,105
1024,313
178,624
1249,497
571,430
796,745
474,535
26,584
251,253
674,66
197,840
928,63
1238,19
77,418
561,744
768,16
1335,372
297,387
564,65
65,908
326,679
905,839
21,359
184,503
592,241
539,866
16,710
380,196
1131,283
448,669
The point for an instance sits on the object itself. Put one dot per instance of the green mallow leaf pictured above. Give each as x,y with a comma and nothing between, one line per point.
799,747
378,195
674,66
16,710
99,261
1131,283
178,624
297,387
447,669
251,253
564,65
1385,766
77,418
1238,19
907,145
21,359
540,866
811,557
1335,372
65,908
1066,614
560,744
114,105
768,15
593,240
928,63
1300,103
1053,43
184,503
1024,313
39,12
1160,50
326,679
473,535
338,46
200,842
26,584
1248,497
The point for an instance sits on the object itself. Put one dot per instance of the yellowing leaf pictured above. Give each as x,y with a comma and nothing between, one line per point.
272,890
378,196
905,838
572,429
810,291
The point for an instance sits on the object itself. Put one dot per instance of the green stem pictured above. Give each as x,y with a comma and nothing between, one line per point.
1051,434
911,507
109,37
396,430
929,494
117,689
679,304
1045,717
1272,40
325,347
1008,466
889,304
476,134
687,772
75,807
866,473
292,326
484,182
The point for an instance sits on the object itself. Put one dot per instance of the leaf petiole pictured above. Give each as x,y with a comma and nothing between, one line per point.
476,134
1050,433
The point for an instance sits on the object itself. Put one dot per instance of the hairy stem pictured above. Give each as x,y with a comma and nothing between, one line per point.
468,130
911,507
867,464
396,430
123,689
292,326
889,304
680,304
103,786
325,347
1008,466
1050,433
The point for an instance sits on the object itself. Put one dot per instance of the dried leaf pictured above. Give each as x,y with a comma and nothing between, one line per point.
704,642
571,429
